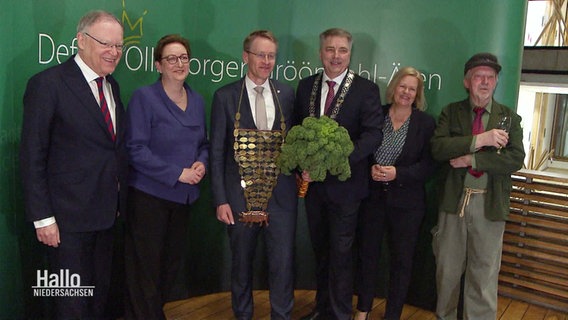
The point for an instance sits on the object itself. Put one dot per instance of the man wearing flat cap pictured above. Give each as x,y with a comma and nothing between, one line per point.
479,156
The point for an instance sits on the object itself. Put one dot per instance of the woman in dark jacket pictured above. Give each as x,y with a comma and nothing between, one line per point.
396,204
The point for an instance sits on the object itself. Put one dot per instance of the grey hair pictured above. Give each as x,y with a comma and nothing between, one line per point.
336,32
94,16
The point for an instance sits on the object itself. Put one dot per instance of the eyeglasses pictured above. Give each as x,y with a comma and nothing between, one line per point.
118,47
173,59
332,50
263,56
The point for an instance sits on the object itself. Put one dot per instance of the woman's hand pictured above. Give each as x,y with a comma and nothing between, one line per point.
194,174
383,173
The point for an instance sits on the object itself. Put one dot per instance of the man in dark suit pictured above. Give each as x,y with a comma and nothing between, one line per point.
257,106
73,160
479,157
332,205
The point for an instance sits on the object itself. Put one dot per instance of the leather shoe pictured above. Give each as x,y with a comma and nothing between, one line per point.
314,315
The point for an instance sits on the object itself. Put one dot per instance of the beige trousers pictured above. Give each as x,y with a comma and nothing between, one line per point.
470,245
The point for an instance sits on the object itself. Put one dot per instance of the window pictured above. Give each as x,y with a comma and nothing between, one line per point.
546,23
560,129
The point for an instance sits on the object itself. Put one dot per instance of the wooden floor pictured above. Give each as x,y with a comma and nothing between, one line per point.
218,307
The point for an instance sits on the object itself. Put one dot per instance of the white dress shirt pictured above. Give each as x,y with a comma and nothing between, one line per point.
325,88
268,100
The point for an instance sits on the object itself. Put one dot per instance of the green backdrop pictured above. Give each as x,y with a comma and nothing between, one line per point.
436,36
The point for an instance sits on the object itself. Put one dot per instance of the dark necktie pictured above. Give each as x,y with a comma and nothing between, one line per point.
104,107
329,97
477,128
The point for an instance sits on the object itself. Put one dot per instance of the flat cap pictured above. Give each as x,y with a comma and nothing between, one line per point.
482,59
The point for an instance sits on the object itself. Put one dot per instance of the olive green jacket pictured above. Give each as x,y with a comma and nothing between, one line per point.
452,138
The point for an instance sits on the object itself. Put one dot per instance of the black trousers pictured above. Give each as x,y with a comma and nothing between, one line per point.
154,246
402,226
89,255
332,232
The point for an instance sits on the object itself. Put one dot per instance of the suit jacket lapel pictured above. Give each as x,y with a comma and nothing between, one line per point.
494,116
247,120
183,117
75,82
276,99
465,117
119,108
411,135
317,102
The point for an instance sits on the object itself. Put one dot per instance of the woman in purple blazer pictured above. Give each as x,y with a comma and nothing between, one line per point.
168,151
396,204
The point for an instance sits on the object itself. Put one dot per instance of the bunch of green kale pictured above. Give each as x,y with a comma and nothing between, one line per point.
319,146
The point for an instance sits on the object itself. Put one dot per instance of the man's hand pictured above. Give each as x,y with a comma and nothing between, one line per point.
306,176
461,162
492,138
224,214
49,235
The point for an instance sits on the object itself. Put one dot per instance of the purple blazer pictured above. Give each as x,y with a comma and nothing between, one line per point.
162,139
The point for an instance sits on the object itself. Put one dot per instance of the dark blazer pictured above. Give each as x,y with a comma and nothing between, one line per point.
414,164
452,138
70,167
225,177
361,115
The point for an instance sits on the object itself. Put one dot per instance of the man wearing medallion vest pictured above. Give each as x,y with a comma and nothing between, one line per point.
249,119
332,205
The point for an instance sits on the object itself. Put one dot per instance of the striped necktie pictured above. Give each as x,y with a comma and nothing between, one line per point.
104,108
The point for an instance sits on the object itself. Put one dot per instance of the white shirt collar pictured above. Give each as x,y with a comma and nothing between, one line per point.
251,85
338,79
88,73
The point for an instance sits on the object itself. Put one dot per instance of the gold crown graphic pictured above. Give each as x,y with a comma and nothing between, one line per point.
133,32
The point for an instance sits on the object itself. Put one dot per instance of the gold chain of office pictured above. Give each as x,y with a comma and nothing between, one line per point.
255,153
338,102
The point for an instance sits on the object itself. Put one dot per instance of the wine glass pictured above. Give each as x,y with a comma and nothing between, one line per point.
504,124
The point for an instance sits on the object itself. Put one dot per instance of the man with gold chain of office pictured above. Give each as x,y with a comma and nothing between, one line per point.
332,205
249,119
